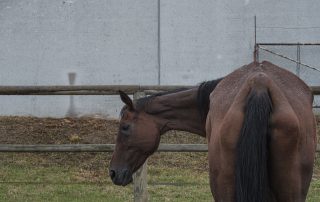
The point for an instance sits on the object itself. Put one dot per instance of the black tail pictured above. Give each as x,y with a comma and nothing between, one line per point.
252,149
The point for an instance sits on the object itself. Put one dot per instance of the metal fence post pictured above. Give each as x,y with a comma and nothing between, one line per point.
140,191
298,60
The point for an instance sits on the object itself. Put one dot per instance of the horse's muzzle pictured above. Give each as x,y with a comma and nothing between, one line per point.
120,177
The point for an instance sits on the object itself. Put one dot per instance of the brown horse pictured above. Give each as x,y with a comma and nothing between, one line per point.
260,129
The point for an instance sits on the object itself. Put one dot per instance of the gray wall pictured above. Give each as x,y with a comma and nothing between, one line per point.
119,42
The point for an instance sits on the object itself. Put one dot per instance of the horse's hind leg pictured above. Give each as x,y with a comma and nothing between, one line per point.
286,178
222,149
290,162
284,172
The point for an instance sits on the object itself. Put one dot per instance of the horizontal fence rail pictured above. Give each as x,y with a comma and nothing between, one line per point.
86,90
99,148
289,44
97,89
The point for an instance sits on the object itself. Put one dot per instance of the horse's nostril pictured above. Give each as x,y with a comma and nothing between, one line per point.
112,174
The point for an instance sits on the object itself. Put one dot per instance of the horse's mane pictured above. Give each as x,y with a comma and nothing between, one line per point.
203,101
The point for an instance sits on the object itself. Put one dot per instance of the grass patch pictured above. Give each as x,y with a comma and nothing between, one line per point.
21,180
70,183
314,191
56,183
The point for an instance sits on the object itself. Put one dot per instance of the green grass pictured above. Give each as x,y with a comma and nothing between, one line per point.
25,179
175,184
55,183
314,191
30,178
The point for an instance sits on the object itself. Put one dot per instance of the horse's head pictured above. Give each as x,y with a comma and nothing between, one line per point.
138,137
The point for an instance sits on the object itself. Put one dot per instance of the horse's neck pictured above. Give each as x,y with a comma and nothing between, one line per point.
178,111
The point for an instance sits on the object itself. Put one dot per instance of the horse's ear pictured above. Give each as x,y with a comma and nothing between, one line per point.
126,100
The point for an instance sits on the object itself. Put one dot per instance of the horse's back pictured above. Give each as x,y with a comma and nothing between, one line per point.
291,138
295,90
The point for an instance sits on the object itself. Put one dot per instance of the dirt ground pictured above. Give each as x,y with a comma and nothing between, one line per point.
31,130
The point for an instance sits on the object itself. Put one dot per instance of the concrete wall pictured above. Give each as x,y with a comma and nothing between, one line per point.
103,42
119,42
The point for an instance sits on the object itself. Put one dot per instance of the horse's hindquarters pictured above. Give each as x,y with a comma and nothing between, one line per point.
288,132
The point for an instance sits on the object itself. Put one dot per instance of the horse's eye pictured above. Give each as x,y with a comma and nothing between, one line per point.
125,128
